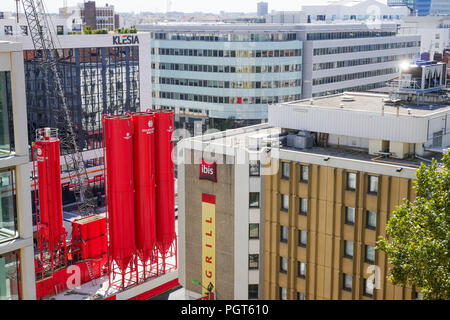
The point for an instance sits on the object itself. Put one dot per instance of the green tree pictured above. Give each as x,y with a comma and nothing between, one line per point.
87,29
418,234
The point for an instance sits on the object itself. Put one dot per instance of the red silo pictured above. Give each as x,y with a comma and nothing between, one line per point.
51,228
118,146
165,178
144,183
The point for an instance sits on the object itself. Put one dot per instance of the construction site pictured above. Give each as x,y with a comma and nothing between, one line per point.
126,249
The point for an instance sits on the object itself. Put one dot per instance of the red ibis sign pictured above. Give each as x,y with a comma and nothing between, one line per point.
208,170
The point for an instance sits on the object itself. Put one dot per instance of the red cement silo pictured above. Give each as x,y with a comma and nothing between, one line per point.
144,183
118,146
50,199
165,178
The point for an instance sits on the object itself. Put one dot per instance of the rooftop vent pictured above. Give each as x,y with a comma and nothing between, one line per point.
347,98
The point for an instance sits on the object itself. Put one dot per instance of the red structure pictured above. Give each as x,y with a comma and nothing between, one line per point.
118,152
144,186
165,192
50,229
89,238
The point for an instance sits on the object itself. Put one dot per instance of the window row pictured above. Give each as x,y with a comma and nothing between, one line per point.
352,76
367,47
224,36
228,84
372,182
358,62
23,30
369,251
285,171
349,35
301,267
283,294
224,100
226,68
227,53
371,218
302,236
303,204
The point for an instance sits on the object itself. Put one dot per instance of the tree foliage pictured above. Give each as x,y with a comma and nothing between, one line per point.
417,243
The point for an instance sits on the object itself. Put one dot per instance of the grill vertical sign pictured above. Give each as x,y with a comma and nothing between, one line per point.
208,242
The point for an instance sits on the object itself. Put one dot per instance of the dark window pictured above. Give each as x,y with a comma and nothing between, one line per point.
302,238
284,233
368,288
253,232
301,296
349,215
254,199
347,282
254,169
252,291
304,171
253,261
285,170
303,206
348,249
283,265
370,254
371,220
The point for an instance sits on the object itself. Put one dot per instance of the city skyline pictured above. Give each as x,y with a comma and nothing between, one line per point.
52,6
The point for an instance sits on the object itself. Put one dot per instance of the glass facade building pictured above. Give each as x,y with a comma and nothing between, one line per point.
6,134
224,75
97,81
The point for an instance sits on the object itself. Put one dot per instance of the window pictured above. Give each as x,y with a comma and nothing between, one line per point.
8,30
284,233
351,181
368,288
302,238
6,128
371,221
373,184
253,232
370,254
285,170
349,215
253,261
8,217
284,202
303,206
9,276
254,199
283,293
283,265
301,296
348,249
254,169
252,291
24,30
304,170
301,269
347,282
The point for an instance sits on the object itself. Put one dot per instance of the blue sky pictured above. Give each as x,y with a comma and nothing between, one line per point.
178,5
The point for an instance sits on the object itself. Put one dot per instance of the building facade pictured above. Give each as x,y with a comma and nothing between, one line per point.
16,231
219,72
262,9
315,186
89,14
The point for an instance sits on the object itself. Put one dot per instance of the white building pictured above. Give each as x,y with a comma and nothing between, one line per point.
347,10
16,231
288,17
434,32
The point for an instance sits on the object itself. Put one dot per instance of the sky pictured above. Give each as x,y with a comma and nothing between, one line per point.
211,6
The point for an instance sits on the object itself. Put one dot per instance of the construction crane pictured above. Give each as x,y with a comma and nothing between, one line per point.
48,58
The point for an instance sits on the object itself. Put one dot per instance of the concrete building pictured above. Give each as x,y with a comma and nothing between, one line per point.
288,17
212,73
434,32
16,230
351,10
89,14
293,208
423,7
262,9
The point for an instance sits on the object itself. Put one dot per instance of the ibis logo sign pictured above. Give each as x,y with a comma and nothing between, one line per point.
208,171
125,39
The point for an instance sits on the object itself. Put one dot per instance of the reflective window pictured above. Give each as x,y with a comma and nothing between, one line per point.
368,288
283,293
9,276
347,282
254,199
254,168
303,206
6,125
285,170
253,231
301,269
301,296
8,217
283,265
284,202
302,238
253,261
349,215
370,254
348,249
351,181
304,170
252,291
284,233
373,184
371,221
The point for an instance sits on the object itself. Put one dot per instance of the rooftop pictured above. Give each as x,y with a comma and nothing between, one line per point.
371,102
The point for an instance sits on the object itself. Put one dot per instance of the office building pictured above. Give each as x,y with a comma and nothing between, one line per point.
262,9
16,231
89,14
292,209
212,73
286,17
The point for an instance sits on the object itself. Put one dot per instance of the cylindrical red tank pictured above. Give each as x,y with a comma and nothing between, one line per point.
118,140
50,198
144,183
165,179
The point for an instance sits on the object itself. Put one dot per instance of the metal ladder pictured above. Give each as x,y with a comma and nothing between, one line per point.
91,273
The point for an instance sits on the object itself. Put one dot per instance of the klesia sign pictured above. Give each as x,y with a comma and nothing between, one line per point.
125,39
208,170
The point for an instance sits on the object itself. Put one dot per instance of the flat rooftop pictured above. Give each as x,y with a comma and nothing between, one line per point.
370,102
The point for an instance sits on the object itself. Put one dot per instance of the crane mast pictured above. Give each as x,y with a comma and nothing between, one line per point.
48,57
